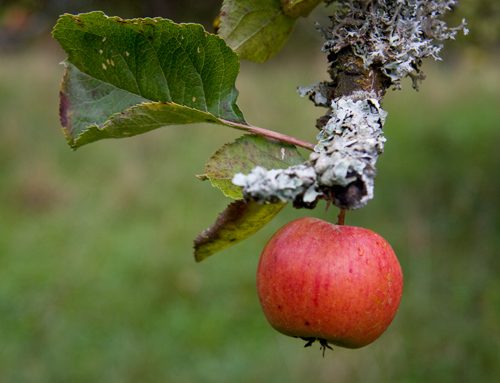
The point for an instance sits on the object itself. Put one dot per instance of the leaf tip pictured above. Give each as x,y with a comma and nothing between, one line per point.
202,177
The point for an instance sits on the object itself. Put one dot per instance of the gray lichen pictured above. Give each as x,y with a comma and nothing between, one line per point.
347,150
371,45
393,34
297,182
317,92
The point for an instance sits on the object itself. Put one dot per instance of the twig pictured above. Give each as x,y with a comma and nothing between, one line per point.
271,134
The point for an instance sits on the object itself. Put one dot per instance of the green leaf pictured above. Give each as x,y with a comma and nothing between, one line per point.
255,29
242,219
243,155
297,8
126,77
239,221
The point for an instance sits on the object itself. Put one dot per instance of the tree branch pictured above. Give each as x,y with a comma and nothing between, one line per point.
371,46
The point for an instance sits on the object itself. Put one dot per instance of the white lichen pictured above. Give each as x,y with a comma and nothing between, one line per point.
348,147
275,185
391,37
318,93
347,150
393,34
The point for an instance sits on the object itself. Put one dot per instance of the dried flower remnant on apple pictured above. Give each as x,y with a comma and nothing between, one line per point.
371,46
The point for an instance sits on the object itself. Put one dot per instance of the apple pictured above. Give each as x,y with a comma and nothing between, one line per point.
337,284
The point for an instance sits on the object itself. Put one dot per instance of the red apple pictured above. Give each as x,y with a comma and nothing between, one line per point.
336,284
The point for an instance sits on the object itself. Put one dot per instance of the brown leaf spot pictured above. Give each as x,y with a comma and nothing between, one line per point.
64,110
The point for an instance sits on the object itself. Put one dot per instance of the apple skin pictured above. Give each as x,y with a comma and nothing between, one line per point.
337,284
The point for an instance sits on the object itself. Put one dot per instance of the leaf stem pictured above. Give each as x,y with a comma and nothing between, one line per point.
270,134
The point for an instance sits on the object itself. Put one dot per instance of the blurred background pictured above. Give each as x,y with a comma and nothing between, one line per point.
97,278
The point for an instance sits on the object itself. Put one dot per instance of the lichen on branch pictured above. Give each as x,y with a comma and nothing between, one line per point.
341,168
392,34
371,45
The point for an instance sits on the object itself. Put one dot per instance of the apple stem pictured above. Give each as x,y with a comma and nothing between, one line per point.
341,217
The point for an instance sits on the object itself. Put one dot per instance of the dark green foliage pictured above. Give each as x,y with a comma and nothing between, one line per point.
127,77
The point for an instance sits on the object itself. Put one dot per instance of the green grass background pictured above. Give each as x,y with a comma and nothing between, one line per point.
97,278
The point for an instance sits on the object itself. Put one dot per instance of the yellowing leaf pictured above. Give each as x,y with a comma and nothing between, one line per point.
239,221
298,8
